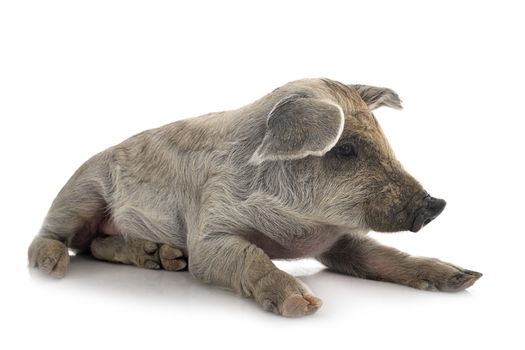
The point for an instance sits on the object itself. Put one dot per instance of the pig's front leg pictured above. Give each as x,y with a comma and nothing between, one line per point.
363,257
230,261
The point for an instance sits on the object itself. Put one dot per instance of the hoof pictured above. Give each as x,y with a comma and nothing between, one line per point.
49,256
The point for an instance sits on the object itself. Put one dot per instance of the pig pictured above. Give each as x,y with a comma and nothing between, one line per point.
305,171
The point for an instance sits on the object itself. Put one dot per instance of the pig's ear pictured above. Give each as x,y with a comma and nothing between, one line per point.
376,97
298,127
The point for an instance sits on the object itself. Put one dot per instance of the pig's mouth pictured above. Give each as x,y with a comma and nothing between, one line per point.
430,210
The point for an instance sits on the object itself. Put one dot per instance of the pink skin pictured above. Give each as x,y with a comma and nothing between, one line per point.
109,228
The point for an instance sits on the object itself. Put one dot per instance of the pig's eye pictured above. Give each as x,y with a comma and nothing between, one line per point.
346,150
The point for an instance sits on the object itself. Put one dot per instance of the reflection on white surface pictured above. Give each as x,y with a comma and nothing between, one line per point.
107,305
93,278
88,275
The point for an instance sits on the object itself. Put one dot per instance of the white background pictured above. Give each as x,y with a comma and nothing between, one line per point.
78,77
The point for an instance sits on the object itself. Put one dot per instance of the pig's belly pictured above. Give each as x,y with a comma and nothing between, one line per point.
109,228
134,222
297,248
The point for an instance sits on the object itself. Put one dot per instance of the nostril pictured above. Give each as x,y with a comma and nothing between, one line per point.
427,212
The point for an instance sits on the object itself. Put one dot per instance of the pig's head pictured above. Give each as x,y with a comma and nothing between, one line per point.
325,142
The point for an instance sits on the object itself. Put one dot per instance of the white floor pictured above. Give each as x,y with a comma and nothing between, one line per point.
102,306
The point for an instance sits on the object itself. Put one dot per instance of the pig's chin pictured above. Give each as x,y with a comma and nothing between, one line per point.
419,222
388,219
386,224
383,227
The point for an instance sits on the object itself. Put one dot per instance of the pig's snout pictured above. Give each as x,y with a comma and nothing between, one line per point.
429,210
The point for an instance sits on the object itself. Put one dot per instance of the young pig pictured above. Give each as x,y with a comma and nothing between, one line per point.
305,171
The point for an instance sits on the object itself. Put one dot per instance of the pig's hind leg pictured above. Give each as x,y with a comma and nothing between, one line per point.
73,219
363,257
138,252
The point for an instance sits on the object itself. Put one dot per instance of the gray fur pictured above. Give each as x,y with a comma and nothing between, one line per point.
297,127
231,190
376,97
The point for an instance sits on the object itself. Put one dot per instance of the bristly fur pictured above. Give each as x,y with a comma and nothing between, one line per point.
233,189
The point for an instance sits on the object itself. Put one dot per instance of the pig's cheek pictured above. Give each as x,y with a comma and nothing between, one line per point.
374,218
